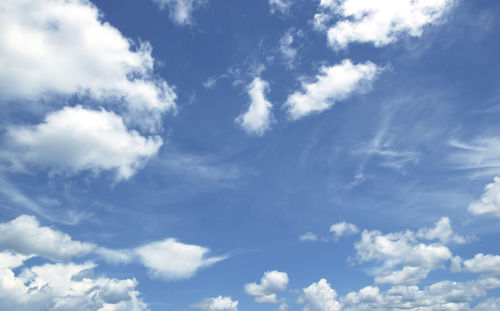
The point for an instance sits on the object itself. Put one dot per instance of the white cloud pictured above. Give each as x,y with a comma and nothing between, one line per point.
172,260
281,6
219,303
332,84
181,10
405,259
308,236
378,22
258,118
75,139
25,236
9,259
489,203
319,297
343,228
483,264
69,286
442,231
270,285
52,47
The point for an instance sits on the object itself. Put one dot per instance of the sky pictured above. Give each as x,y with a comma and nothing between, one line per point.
315,155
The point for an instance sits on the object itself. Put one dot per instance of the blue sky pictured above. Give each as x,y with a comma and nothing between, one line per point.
249,155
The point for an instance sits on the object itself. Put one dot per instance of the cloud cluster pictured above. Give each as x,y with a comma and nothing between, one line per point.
404,257
272,283
53,50
377,22
168,259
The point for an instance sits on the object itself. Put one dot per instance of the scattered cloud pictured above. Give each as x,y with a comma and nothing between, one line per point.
288,52
343,228
272,283
487,265
258,118
75,139
281,6
53,47
219,303
308,236
181,11
377,22
332,84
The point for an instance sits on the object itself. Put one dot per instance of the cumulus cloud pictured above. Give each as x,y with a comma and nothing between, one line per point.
319,297
489,202
405,258
281,6
172,260
377,22
181,10
75,139
272,283
68,286
52,47
484,264
332,84
441,231
343,228
219,303
24,236
258,118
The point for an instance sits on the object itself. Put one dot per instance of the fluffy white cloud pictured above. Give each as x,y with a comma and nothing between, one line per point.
332,84
52,47
282,6
483,264
24,236
181,10
217,304
343,228
270,285
258,118
377,22
319,297
405,259
75,139
69,286
489,203
442,231
172,260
